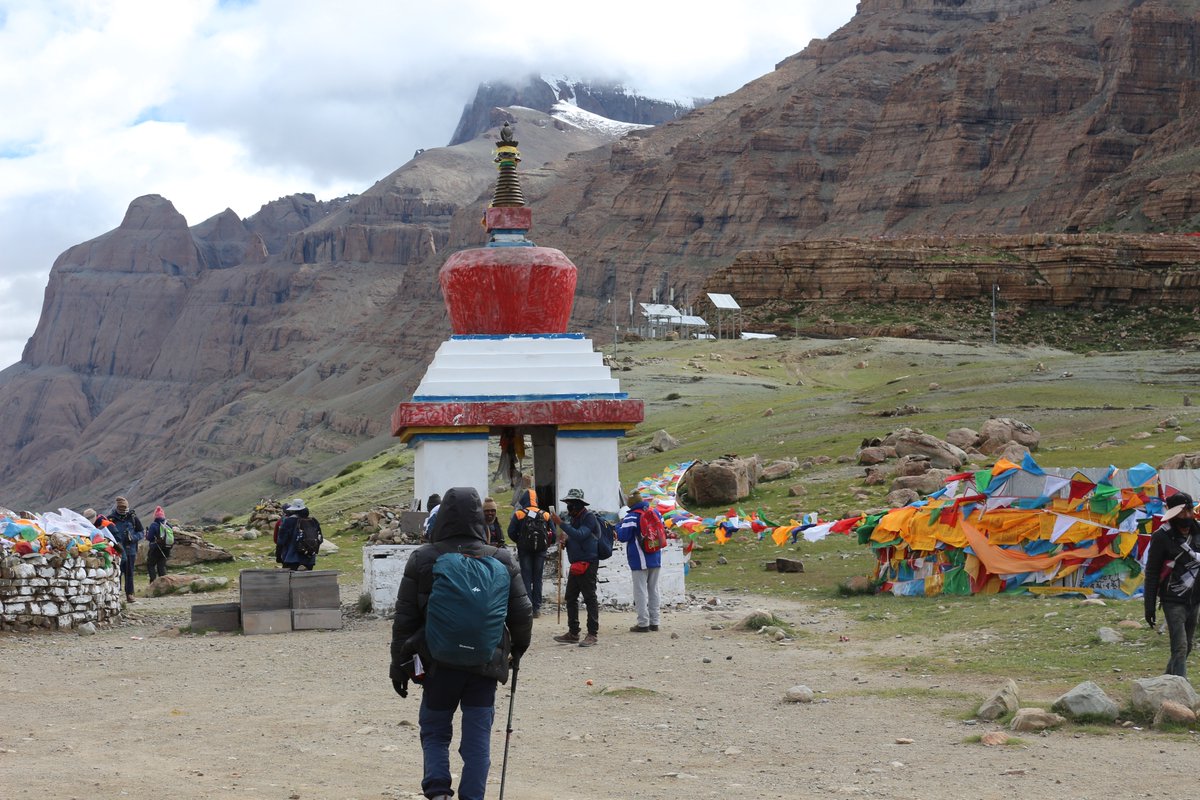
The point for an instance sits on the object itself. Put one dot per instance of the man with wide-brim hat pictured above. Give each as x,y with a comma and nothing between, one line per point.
1172,569
580,534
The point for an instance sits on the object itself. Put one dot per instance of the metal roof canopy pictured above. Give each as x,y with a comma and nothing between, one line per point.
723,301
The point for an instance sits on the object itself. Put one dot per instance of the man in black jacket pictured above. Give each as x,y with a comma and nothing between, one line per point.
458,528
1172,567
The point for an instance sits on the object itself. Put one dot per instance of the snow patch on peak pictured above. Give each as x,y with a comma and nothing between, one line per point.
572,114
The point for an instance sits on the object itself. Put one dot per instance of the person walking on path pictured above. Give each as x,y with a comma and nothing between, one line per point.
531,529
645,567
1172,567
459,528
158,549
580,533
127,530
291,534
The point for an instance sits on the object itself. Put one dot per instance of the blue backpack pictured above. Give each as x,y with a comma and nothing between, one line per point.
464,621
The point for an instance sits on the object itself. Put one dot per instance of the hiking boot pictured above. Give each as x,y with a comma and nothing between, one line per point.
568,638
129,599
640,629
536,613
588,640
653,627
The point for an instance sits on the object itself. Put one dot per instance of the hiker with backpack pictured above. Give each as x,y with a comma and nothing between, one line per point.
581,533
462,619
642,531
531,529
300,537
127,530
1172,568
160,538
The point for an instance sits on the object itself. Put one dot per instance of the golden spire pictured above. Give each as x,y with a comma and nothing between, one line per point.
508,192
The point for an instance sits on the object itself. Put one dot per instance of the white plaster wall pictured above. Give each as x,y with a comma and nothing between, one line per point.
590,464
541,366
383,567
442,464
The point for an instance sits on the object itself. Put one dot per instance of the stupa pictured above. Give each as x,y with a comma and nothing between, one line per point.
511,370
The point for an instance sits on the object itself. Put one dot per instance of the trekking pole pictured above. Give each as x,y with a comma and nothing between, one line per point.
560,570
508,731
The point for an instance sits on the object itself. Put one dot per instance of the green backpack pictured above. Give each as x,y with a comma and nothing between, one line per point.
166,536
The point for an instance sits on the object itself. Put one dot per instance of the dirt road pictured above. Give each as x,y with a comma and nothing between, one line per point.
139,711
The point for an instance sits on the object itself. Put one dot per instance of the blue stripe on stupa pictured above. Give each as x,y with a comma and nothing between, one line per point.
513,398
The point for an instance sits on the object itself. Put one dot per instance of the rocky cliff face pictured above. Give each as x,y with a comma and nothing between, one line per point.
171,359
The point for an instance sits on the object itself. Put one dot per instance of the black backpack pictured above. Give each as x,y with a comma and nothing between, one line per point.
534,535
309,537
608,537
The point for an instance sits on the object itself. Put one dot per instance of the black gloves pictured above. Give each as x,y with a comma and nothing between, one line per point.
401,686
1150,620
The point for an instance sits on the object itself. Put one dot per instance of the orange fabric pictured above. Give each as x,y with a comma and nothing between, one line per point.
999,561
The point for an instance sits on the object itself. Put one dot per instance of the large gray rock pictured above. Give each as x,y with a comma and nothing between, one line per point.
869,456
1150,693
913,465
994,434
779,469
723,481
925,484
1086,700
900,497
1172,713
1003,701
962,437
663,441
941,455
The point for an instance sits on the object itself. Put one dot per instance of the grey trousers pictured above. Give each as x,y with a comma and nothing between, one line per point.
645,596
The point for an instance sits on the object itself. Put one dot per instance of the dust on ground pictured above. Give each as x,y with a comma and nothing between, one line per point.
142,711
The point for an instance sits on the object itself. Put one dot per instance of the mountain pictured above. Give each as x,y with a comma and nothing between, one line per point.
609,100
239,358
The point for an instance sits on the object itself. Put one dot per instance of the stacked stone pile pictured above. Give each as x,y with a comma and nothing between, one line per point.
384,525
266,513
56,592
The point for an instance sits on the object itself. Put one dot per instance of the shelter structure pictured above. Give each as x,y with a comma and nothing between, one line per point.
729,315
662,318
511,369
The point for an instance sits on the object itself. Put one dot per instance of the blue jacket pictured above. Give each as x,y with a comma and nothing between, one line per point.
126,529
628,531
289,537
583,534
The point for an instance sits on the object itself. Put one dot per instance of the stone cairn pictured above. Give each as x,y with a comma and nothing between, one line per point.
266,513
383,525
57,592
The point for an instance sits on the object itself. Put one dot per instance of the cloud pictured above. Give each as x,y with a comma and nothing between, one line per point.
233,104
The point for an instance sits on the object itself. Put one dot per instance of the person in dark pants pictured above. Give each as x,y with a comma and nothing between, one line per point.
532,559
580,533
1172,568
459,528
289,538
127,530
157,551
490,512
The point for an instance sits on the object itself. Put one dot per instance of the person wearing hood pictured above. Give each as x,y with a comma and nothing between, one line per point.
158,551
1172,568
459,528
531,554
290,535
127,530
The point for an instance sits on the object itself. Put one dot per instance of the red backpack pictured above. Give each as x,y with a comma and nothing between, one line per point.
651,532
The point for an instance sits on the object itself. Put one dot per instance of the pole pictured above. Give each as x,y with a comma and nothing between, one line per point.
560,571
995,290
512,695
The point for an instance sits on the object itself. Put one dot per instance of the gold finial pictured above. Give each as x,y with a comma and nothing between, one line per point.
508,192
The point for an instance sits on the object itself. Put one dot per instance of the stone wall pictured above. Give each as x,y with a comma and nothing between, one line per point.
57,593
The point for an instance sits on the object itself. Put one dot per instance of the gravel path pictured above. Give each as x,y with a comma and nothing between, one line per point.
141,711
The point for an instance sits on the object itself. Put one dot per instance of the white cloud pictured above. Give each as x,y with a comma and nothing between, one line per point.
233,104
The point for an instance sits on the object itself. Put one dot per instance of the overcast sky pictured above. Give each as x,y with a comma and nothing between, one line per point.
233,104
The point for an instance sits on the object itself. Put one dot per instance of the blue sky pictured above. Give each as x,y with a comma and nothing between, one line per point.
233,104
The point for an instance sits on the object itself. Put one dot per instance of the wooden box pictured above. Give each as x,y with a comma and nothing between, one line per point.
316,589
265,589
254,622
308,619
217,617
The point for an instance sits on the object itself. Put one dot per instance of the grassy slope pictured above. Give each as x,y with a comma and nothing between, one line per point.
823,404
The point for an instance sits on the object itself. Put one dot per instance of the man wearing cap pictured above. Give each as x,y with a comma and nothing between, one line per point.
127,530
1172,567
490,512
289,538
580,532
